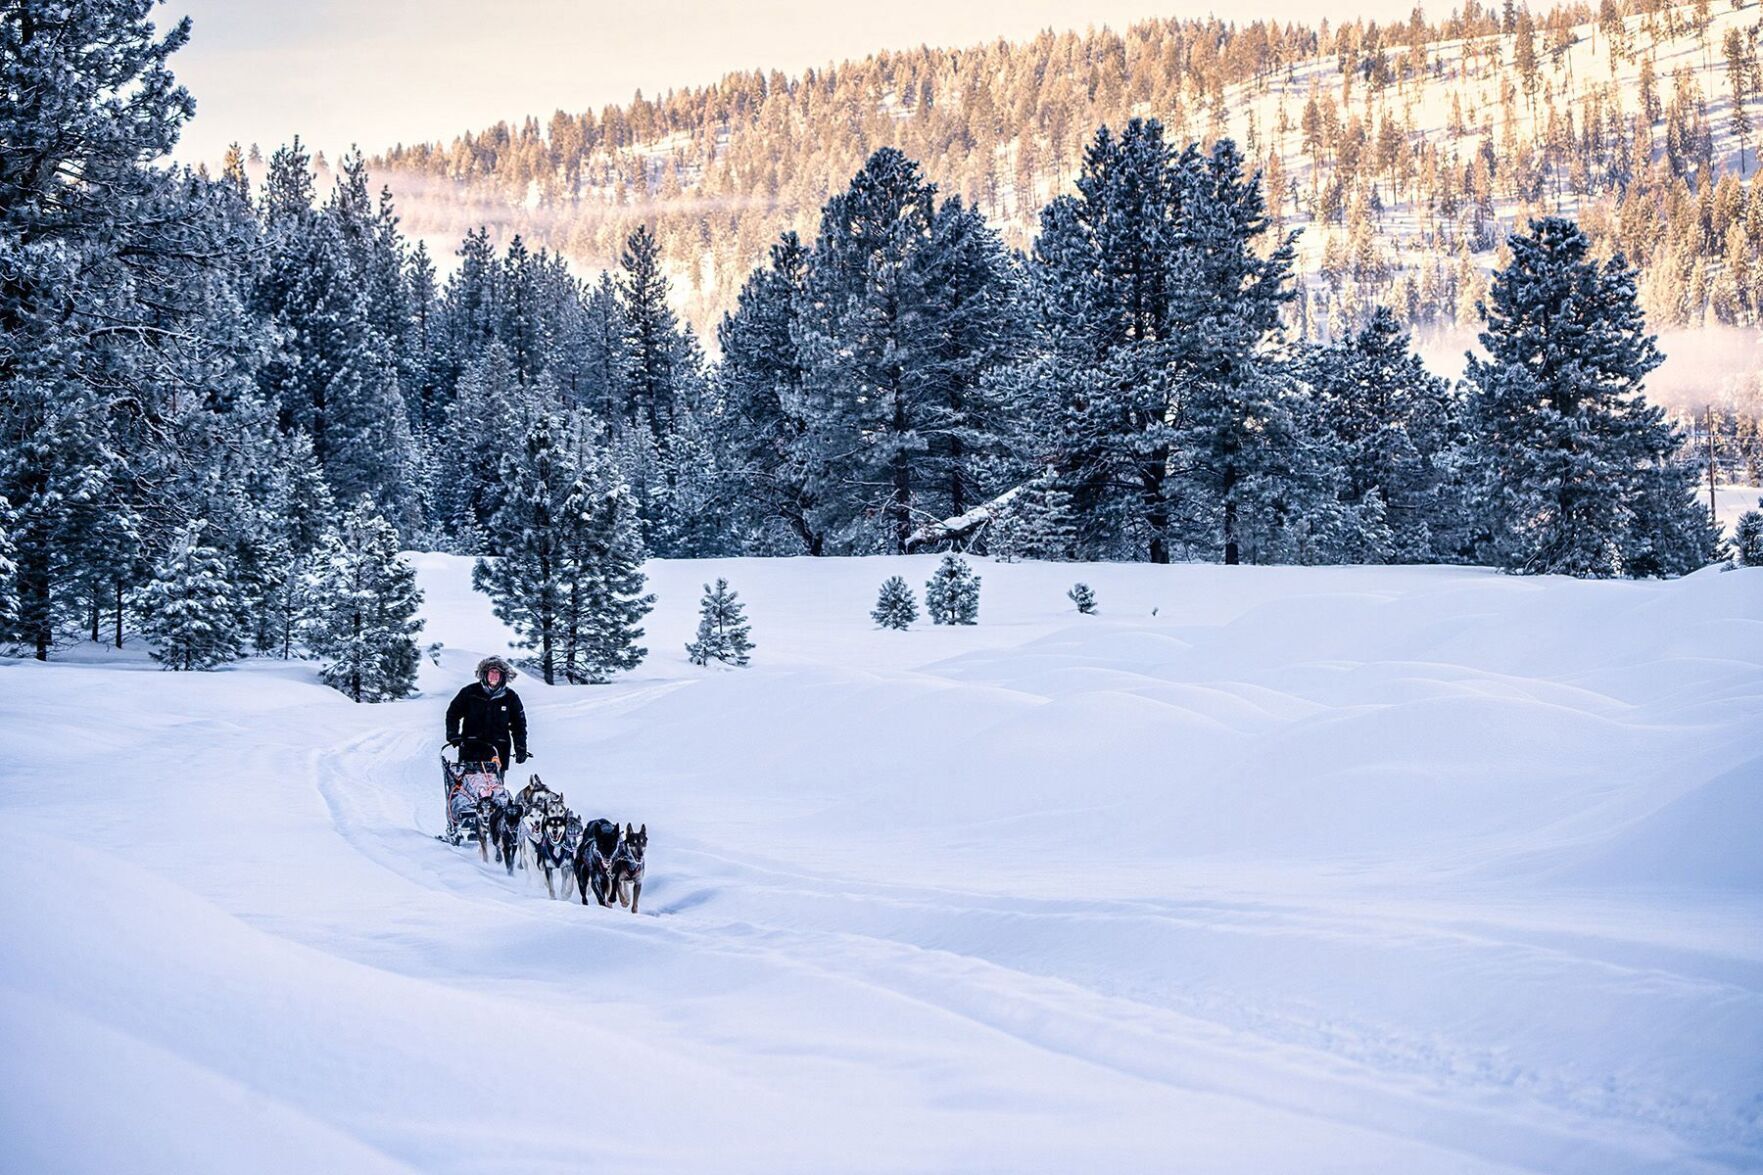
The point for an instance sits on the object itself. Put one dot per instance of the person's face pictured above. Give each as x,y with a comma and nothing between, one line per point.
493,676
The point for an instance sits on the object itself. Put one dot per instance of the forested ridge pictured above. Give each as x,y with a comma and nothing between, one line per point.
227,400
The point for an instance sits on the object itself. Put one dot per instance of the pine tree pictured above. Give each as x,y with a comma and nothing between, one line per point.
188,608
1038,523
527,581
895,607
951,595
766,426
1395,428
361,619
1579,472
1747,539
722,628
650,335
1085,599
612,600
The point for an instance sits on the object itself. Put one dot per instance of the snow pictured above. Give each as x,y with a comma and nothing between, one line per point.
1730,501
1319,869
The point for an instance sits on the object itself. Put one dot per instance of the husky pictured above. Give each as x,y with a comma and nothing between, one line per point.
627,866
503,831
554,852
529,795
593,860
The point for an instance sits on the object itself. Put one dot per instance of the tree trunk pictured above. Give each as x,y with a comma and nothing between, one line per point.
1156,505
119,613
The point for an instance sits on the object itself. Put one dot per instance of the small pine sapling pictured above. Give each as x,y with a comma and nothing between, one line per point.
722,628
951,595
895,607
1085,599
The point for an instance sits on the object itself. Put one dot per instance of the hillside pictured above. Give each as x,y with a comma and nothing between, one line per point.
1342,869
1405,152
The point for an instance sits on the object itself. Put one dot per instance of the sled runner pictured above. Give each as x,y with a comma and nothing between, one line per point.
476,777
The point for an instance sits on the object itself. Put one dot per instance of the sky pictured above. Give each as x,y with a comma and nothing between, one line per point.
379,72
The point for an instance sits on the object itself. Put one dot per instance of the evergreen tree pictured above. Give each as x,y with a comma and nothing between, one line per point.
650,336
188,607
1394,427
612,602
1085,598
1579,472
895,607
1037,523
100,259
766,423
951,595
1747,539
722,628
527,582
361,619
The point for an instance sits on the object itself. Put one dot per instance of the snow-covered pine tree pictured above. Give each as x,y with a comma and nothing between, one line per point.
951,595
1084,597
527,580
765,431
723,631
87,227
362,601
1394,426
189,614
1038,523
1747,539
609,603
650,335
895,606
1241,450
1579,473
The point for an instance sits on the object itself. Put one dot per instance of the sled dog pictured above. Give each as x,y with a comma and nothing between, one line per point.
593,860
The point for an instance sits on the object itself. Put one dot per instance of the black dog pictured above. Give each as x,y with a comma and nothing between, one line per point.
627,866
504,832
593,860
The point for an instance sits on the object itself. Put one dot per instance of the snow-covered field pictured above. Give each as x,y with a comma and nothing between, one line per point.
1261,869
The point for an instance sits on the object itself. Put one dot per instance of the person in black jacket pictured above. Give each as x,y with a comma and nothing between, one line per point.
488,712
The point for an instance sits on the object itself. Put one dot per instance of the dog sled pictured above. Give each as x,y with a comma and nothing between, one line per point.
472,786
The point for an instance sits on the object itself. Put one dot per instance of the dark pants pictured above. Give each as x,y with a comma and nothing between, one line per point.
475,750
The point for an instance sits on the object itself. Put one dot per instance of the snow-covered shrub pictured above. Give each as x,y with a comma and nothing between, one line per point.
951,595
1085,599
895,607
722,628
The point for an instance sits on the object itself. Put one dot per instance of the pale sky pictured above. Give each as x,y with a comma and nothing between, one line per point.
380,72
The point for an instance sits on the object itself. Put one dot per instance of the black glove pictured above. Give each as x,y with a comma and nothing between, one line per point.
521,755
452,740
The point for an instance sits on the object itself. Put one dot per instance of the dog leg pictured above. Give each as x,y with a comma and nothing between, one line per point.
636,892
